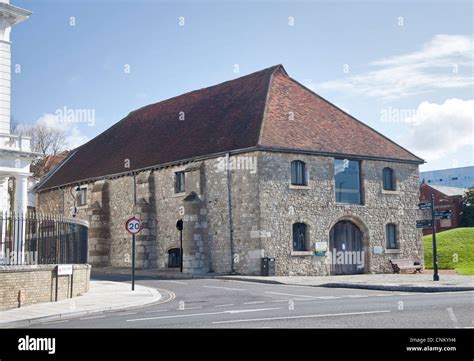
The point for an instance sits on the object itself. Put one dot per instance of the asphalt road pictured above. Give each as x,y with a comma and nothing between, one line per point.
215,303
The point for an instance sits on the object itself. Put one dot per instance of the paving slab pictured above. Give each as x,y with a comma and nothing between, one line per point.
390,282
102,296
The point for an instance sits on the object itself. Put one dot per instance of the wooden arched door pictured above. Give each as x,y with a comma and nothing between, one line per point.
345,240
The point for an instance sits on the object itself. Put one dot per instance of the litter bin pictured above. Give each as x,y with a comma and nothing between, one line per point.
268,266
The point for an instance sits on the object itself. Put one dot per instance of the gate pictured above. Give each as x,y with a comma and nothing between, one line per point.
42,239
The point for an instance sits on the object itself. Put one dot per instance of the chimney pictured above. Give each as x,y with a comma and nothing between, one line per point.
9,16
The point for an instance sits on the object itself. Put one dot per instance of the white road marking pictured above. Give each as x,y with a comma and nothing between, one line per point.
281,301
189,308
228,305
356,296
225,288
178,282
203,314
452,316
270,284
289,294
253,302
50,323
91,318
305,316
127,313
328,297
254,310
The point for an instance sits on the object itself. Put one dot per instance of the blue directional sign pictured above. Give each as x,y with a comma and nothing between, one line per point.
424,205
443,214
424,223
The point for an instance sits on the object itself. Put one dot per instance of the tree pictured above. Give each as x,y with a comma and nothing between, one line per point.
467,208
45,140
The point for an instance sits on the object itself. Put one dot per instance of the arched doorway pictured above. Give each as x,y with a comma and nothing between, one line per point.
346,249
174,258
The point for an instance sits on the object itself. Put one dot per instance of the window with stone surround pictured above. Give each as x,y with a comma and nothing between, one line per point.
300,237
81,197
388,179
391,236
298,173
179,182
347,179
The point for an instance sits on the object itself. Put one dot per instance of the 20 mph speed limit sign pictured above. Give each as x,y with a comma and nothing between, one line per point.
133,225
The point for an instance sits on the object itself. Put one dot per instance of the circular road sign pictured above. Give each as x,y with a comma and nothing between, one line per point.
133,225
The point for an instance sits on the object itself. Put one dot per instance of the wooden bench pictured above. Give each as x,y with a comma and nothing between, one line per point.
401,264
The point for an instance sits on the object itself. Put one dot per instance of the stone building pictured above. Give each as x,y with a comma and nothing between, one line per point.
259,166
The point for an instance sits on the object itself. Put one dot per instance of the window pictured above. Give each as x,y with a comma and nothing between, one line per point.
81,197
298,173
388,179
179,182
454,178
391,231
347,178
299,237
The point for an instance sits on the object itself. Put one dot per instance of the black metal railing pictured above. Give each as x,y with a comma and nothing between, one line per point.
42,239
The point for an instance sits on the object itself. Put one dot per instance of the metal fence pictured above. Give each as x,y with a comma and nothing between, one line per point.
42,239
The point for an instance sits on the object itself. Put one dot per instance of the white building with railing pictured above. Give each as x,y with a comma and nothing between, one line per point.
15,151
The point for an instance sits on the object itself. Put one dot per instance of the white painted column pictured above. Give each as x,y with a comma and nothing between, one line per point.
3,209
21,205
9,16
5,92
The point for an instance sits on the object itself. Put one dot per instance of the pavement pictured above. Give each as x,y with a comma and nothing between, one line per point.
168,274
103,296
420,282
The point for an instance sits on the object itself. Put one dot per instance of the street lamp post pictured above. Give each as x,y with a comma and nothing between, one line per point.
433,232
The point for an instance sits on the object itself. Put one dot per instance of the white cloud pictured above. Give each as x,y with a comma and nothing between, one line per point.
438,130
73,135
438,65
75,138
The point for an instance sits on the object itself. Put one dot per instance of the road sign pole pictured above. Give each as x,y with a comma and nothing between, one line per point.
435,256
133,262
181,250
133,226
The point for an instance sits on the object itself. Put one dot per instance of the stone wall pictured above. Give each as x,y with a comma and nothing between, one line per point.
26,285
262,208
315,205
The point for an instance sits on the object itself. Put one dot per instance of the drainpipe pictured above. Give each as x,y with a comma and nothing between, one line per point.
229,207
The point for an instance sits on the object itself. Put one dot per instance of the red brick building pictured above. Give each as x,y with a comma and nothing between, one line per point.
446,198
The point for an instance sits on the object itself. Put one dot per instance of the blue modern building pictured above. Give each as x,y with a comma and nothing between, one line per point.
462,177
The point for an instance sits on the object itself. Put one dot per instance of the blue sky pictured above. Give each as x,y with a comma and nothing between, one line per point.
404,68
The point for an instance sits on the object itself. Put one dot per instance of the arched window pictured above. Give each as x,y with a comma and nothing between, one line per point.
298,173
179,182
391,234
300,235
388,179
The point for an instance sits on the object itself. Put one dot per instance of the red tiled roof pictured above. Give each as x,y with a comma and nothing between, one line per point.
317,125
226,117
52,161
